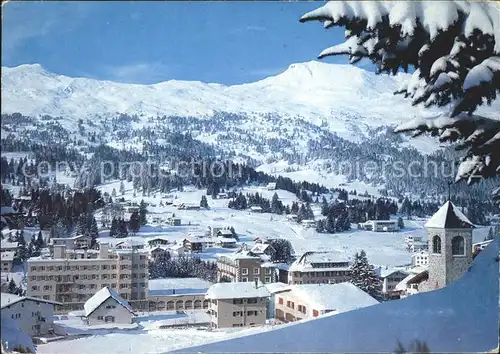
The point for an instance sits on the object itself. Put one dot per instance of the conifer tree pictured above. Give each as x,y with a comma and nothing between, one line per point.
363,275
204,202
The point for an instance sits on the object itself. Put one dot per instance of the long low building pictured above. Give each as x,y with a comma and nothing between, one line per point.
177,294
307,301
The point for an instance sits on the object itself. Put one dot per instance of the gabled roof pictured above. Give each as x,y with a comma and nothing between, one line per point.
449,217
10,299
100,297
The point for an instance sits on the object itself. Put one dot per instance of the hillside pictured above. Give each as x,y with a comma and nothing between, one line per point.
462,317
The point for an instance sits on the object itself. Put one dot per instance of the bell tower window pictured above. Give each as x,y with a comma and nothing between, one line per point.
436,244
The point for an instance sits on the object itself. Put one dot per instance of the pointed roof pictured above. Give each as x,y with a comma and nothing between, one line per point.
449,217
100,297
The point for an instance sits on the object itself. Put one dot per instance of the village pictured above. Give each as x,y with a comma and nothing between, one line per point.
74,289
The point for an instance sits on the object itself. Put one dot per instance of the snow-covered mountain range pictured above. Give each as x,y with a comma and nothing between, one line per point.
345,97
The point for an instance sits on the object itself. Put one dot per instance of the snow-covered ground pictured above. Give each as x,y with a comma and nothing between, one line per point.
384,249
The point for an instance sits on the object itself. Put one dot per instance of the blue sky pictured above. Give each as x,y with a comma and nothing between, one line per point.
149,42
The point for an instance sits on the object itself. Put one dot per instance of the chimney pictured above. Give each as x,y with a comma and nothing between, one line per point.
103,250
59,251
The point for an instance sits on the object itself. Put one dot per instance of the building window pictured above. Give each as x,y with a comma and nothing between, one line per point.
268,270
251,313
244,279
457,246
268,279
237,314
280,301
244,271
237,301
436,244
252,300
256,271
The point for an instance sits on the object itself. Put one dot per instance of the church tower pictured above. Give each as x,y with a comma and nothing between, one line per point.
450,246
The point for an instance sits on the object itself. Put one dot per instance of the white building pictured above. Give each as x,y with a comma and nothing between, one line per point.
8,246
271,186
380,225
256,209
320,268
33,316
420,259
106,306
308,223
7,258
238,304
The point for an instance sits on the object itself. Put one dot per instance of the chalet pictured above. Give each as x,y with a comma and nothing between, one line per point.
156,252
225,233
308,223
222,196
106,306
419,247
129,245
177,250
75,242
226,242
242,266
256,209
158,241
263,249
391,278
271,186
184,206
174,221
292,217
197,244
380,225
133,209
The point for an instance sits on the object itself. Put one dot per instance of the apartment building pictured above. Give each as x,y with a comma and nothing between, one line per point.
75,242
243,266
320,268
380,225
7,259
307,301
73,276
420,259
238,304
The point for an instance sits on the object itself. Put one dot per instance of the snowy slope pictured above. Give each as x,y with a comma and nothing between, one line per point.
462,317
345,96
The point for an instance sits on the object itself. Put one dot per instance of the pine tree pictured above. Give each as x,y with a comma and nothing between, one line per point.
456,64
142,212
324,207
134,222
401,223
204,202
363,275
12,287
113,231
122,188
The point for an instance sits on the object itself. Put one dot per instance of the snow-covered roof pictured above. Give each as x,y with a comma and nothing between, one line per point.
240,254
177,286
100,297
158,238
225,239
468,306
384,273
276,287
237,290
10,299
449,217
260,247
225,232
340,297
307,260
